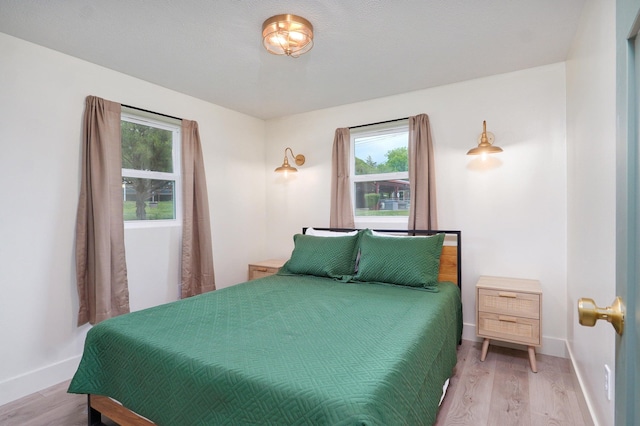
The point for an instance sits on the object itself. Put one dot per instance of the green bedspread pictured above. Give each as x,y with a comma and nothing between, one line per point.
280,350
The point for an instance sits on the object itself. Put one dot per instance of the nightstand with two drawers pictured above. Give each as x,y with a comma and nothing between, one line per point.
264,268
509,310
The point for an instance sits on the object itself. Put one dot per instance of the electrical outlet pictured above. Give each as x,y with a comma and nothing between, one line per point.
607,381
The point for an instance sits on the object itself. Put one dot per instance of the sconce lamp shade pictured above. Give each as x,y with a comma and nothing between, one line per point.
289,35
286,167
485,143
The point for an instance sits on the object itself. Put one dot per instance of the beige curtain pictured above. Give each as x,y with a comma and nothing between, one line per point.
341,214
422,211
101,269
197,253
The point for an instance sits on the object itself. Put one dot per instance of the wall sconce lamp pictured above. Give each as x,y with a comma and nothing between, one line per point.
286,168
485,144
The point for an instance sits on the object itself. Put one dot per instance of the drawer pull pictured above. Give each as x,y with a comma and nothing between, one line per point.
261,269
507,319
507,294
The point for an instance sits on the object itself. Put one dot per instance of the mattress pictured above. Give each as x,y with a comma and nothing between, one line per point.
280,350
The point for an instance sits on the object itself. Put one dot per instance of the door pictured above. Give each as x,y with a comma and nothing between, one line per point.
627,401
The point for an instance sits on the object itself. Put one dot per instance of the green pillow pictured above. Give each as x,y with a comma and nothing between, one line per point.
408,261
333,257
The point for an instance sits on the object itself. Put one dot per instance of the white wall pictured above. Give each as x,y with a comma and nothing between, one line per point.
591,146
42,95
511,209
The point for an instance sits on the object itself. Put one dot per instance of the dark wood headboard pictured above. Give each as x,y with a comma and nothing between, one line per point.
450,259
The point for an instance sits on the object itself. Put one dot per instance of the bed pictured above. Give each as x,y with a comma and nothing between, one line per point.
310,345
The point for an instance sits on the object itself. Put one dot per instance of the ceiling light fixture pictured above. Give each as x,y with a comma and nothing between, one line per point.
289,35
485,144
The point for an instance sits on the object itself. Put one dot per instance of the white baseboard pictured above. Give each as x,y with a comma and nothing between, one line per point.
550,345
34,381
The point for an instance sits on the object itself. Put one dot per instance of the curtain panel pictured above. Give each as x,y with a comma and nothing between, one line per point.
341,212
197,253
422,209
101,269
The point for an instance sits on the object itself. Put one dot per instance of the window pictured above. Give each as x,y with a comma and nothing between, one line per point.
150,169
380,170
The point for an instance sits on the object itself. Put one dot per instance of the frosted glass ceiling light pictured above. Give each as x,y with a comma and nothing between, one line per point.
289,35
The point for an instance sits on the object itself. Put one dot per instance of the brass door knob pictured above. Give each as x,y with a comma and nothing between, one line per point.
589,313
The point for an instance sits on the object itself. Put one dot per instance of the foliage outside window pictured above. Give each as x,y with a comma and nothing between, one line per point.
150,169
380,171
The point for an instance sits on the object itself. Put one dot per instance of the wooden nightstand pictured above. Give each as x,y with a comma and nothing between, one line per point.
510,310
264,268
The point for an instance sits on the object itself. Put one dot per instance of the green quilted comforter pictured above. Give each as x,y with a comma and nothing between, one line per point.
280,350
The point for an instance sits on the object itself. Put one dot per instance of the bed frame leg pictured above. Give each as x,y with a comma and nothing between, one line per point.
94,418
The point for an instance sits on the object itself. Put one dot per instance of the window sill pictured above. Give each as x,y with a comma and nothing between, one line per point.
382,222
146,224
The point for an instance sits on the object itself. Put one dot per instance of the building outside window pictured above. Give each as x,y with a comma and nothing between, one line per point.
380,170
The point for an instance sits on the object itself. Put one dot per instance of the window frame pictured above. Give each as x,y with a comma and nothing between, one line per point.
175,127
372,130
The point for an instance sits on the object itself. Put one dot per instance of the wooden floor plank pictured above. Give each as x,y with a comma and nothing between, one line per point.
46,411
55,389
471,396
510,403
554,400
556,383
463,353
551,401
577,404
18,405
65,412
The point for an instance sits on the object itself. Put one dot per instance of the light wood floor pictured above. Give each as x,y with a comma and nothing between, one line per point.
502,390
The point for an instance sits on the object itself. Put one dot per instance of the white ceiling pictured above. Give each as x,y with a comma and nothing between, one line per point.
363,49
